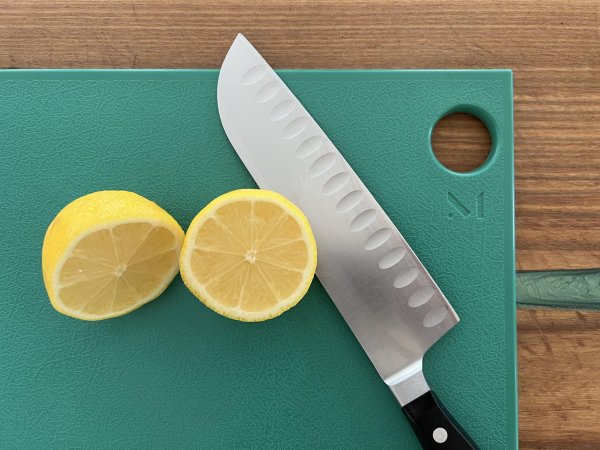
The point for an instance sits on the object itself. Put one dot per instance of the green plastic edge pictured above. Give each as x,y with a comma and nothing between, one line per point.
510,246
290,74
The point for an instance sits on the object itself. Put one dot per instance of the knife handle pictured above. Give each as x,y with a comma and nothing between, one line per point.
434,426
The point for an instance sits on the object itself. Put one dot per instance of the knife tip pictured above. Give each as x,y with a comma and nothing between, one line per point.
240,37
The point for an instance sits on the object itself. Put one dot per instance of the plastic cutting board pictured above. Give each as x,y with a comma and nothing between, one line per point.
173,374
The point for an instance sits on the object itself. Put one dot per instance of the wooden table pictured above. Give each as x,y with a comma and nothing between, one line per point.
553,48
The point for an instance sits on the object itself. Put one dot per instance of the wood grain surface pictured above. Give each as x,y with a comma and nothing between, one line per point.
553,48
461,142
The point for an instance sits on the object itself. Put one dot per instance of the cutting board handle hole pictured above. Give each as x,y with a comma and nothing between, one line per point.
461,142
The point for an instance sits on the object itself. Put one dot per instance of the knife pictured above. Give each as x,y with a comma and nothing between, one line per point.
389,300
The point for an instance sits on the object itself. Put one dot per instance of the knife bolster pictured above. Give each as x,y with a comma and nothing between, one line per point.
409,383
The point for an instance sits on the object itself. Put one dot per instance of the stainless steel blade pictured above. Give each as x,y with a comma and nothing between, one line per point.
384,293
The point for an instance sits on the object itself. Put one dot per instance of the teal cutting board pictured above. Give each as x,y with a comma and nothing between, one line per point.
175,375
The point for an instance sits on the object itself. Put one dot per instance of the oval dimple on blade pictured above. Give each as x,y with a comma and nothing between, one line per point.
254,75
378,238
335,183
309,146
421,296
322,164
363,220
349,201
281,110
407,277
391,258
435,316
295,127
267,92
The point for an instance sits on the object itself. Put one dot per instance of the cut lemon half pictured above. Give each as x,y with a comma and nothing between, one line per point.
108,253
249,255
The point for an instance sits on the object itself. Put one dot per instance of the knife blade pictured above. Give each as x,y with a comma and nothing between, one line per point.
393,306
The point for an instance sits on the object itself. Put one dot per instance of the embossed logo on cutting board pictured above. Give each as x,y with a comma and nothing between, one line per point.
464,206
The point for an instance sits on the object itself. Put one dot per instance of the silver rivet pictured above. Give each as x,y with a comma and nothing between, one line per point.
440,435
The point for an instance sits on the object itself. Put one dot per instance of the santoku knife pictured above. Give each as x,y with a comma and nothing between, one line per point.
380,287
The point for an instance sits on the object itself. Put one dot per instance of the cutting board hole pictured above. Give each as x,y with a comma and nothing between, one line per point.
461,142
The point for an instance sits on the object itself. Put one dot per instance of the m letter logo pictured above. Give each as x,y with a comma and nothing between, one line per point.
472,207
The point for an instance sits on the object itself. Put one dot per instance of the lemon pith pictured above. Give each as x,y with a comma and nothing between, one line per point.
249,255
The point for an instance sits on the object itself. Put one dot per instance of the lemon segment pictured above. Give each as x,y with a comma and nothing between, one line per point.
108,253
249,255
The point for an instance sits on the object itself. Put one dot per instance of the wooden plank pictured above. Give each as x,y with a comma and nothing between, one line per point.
553,48
559,392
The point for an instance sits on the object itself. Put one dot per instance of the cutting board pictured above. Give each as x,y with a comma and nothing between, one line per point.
174,374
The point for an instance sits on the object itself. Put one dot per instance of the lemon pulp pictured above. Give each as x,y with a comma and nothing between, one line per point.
249,255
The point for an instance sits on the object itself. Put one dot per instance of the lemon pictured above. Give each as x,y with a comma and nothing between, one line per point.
108,253
249,255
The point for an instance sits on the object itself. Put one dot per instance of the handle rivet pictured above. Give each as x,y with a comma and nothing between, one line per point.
440,435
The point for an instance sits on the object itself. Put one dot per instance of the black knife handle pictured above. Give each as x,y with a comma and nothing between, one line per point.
434,426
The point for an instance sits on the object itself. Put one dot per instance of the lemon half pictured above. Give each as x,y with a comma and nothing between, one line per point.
249,255
108,253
